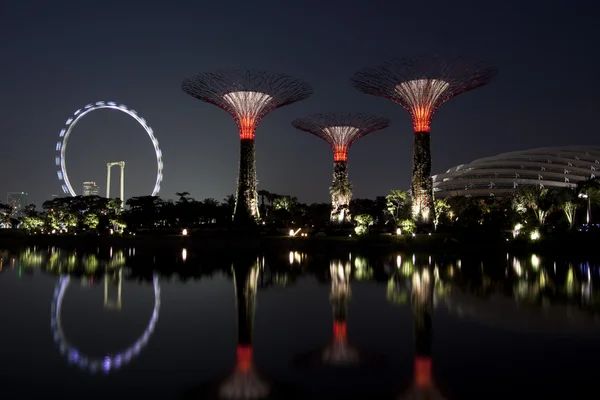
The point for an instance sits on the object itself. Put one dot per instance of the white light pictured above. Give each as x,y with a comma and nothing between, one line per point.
341,136
535,261
246,103
184,254
184,233
65,132
535,235
413,235
291,232
422,93
398,231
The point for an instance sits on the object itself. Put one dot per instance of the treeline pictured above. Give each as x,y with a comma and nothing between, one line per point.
530,208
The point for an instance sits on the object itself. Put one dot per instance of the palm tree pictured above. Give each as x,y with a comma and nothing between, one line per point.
540,200
568,201
590,190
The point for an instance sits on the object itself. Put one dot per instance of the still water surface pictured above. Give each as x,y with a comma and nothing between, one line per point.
113,324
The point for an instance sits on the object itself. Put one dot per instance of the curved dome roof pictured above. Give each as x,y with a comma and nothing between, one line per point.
506,172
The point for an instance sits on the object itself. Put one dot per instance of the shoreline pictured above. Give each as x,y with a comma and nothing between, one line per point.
580,246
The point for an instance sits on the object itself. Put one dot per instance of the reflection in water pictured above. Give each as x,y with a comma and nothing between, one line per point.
530,293
244,382
339,351
110,362
422,296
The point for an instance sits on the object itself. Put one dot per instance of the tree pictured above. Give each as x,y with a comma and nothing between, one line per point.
589,190
31,223
398,204
539,200
91,221
363,222
568,201
441,208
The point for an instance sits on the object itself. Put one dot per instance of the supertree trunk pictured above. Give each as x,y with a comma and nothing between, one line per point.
246,204
422,185
341,193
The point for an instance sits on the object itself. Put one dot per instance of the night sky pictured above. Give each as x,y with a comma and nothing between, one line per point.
58,56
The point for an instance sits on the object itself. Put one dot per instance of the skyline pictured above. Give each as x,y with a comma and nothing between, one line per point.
67,58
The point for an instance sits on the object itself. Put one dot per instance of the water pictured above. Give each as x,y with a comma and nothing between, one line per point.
113,323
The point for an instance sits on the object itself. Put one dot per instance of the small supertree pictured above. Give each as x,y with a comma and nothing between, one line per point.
340,131
421,85
247,96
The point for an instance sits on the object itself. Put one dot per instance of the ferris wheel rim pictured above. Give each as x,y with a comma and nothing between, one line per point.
61,144
110,362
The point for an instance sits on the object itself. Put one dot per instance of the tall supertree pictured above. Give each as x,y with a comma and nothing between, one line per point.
421,85
247,96
340,131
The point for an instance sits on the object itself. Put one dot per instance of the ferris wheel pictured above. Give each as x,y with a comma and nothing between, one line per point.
110,362
61,144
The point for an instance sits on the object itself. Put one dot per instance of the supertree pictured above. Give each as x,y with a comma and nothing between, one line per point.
340,131
247,96
421,85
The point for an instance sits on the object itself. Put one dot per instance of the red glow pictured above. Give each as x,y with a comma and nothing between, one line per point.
247,127
339,331
244,358
422,118
340,153
423,371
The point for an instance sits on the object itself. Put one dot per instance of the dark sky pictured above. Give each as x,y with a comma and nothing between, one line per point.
58,56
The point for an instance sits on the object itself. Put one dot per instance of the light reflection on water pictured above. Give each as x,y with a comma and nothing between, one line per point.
495,300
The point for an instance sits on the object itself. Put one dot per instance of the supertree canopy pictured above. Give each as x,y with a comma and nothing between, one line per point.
247,96
340,131
421,85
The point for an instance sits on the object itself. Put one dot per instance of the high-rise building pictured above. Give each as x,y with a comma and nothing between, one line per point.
17,201
90,189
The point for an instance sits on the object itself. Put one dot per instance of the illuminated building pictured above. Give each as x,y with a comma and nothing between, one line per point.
90,189
247,96
421,86
508,172
17,202
340,131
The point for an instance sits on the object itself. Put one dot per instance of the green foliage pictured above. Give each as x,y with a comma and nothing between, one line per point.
441,208
32,224
398,204
538,200
363,221
408,226
91,220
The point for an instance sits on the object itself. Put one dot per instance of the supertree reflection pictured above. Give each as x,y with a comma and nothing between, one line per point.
422,301
245,382
339,351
